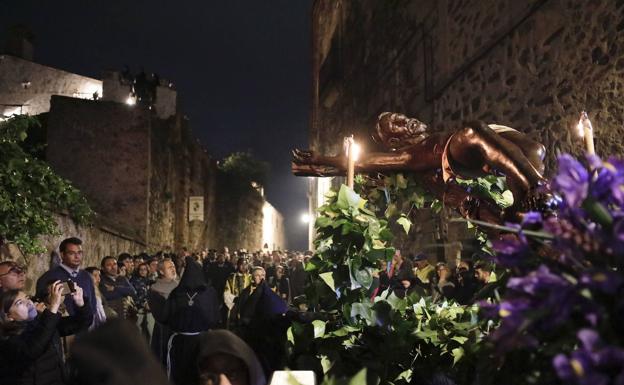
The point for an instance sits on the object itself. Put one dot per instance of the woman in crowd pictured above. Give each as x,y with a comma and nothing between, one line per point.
103,312
280,283
467,284
444,285
141,283
30,345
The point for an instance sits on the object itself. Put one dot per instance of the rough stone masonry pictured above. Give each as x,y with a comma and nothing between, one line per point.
533,65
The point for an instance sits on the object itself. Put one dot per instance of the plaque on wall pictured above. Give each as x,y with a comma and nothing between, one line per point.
196,208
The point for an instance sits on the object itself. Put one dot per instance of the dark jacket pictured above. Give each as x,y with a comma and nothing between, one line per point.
35,356
216,275
121,288
141,285
83,279
281,287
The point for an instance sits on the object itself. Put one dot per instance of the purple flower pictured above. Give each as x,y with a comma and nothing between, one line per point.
592,363
572,181
538,281
604,280
578,369
531,219
511,251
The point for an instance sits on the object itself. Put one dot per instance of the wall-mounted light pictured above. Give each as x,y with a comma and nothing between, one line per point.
131,101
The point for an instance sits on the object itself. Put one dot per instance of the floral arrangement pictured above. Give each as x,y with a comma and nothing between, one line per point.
562,312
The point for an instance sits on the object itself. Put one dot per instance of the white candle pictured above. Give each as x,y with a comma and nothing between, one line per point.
586,131
353,150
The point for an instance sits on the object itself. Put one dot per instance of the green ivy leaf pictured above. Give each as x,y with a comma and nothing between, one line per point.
457,353
436,206
460,339
405,223
363,311
405,375
359,378
401,182
348,198
322,222
391,210
328,278
319,328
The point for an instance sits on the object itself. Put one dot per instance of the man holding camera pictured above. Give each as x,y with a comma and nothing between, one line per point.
69,271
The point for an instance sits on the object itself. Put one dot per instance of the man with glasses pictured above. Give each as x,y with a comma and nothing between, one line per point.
12,276
69,269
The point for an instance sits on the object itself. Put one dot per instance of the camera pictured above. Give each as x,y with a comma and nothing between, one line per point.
68,287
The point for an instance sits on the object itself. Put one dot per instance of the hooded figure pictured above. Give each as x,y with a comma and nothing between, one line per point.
263,323
190,309
114,354
222,352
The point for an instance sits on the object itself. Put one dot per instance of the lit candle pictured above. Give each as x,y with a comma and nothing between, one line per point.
353,151
586,131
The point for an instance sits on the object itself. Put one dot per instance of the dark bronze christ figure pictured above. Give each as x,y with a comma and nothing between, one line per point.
474,150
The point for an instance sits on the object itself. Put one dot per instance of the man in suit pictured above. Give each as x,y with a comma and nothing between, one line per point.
69,269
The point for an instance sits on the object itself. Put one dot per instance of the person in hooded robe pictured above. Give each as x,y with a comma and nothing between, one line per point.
114,354
223,354
191,308
263,321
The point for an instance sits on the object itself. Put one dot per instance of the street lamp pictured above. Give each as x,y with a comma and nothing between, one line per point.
305,218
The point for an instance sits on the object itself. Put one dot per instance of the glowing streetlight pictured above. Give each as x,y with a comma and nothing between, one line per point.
305,218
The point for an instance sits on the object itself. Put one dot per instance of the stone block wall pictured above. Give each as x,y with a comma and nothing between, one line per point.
181,168
532,65
239,215
104,149
98,242
26,86
138,172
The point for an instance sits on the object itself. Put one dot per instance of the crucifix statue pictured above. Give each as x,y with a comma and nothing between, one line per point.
474,150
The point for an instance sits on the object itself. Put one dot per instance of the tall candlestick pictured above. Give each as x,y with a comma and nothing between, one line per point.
350,161
586,130
353,151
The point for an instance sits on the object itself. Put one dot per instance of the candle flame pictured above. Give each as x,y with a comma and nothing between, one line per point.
355,149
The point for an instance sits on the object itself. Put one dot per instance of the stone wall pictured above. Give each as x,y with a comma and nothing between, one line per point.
239,215
272,228
26,86
98,242
531,65
180,168
138,172
104,148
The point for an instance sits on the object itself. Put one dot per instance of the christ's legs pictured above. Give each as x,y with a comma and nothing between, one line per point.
477,147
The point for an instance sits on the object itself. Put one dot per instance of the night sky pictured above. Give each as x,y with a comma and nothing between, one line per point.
241,69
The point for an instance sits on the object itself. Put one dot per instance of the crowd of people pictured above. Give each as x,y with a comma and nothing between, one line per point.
469,281
181,303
